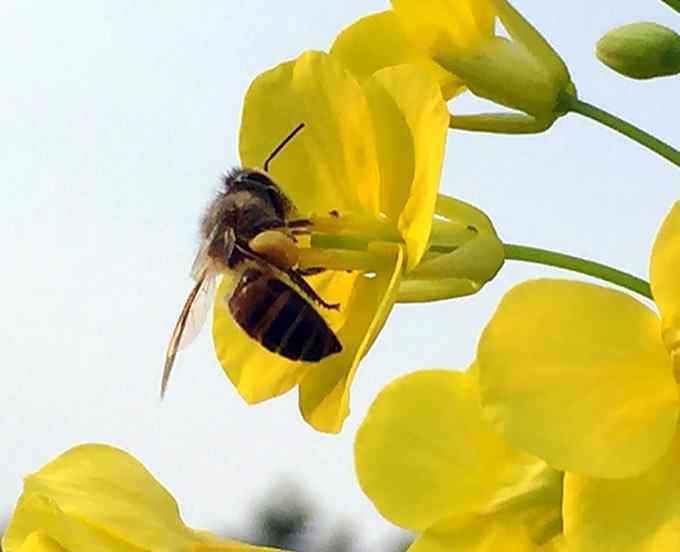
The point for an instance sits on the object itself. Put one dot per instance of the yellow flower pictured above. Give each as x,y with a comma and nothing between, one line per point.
637,514
586,378
455,40
97,498
431,463
582,375
371,153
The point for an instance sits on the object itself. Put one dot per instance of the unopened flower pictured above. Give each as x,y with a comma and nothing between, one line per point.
456,40
98,498
641,50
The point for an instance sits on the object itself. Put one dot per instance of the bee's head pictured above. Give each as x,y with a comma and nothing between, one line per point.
240,178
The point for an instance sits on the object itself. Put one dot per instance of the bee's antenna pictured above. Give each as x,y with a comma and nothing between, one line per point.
278,148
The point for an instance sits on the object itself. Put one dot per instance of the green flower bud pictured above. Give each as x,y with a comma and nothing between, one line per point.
640,50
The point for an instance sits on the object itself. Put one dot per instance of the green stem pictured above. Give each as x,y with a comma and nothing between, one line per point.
577,264
569,102
675,4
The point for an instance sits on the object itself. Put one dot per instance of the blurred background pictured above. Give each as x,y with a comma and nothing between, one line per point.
117,120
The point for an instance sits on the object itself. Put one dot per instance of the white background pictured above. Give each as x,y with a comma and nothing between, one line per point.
116,121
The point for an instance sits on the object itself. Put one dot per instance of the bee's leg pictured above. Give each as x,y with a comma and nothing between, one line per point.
298,280
229,244
298,223
311,271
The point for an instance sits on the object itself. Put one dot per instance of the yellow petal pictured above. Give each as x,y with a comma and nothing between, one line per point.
422,106
378,41
577,374
226,545
96,497
395,147
37,512
324,391
638,514
257,373
332,163
38,542
106,487
664,268
446,27
425,452
478,534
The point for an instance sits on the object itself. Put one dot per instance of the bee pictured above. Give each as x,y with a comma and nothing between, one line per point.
249,230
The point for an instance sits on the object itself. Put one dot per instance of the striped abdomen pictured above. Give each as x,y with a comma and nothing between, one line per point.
277,316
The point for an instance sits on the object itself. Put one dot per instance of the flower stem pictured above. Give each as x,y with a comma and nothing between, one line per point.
675,4
577,264
569,102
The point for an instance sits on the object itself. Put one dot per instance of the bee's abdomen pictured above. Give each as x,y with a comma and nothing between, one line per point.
277,316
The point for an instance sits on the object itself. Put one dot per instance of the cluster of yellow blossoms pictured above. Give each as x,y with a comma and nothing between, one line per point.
562,433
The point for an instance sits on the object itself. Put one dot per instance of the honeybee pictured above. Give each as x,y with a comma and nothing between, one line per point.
249,231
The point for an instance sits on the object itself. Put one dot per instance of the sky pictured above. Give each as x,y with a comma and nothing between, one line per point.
117,120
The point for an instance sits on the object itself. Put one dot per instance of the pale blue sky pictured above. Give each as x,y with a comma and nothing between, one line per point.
116,120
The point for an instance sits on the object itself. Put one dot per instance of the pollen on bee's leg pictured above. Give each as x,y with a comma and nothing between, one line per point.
276,247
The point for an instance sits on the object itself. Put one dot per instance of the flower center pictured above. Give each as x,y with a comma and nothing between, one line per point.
343,242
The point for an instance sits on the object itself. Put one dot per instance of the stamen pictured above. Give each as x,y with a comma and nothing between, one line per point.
363,227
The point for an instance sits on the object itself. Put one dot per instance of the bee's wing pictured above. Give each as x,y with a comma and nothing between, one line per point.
202,261
198,311
190,321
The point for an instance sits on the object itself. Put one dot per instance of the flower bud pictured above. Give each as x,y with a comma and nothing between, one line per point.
640,50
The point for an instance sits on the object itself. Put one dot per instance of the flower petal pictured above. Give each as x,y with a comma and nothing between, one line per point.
378,41
36,512
425,452
324,391
664,266
38,542
105,487
332,163
479,534
446,27
257,373
96,497
577,374
395,148
422,106
638,514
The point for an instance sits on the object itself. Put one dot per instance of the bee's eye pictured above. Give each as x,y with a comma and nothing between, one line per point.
250,276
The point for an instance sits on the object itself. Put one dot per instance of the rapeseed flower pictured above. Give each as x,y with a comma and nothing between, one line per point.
456,41
431,463
586,376
96,498
371,155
